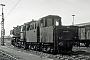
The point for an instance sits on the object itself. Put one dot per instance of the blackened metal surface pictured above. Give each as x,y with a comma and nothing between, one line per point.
84,33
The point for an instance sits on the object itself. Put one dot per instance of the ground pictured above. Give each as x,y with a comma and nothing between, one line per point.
79,53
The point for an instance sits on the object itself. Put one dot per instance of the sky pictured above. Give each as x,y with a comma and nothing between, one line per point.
26,10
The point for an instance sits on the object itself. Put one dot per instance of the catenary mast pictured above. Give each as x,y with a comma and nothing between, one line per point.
2,27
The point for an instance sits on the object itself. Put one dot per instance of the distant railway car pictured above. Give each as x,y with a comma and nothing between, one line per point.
84,34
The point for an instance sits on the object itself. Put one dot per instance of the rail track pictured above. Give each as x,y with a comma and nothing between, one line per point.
79,54
6,56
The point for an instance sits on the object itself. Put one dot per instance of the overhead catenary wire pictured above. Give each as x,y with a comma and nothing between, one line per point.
12,9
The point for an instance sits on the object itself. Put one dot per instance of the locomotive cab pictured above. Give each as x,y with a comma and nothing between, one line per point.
50,20
55,37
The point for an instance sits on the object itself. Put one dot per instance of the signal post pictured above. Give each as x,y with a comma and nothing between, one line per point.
2,27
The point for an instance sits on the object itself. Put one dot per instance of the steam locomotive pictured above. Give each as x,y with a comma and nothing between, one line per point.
46,35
